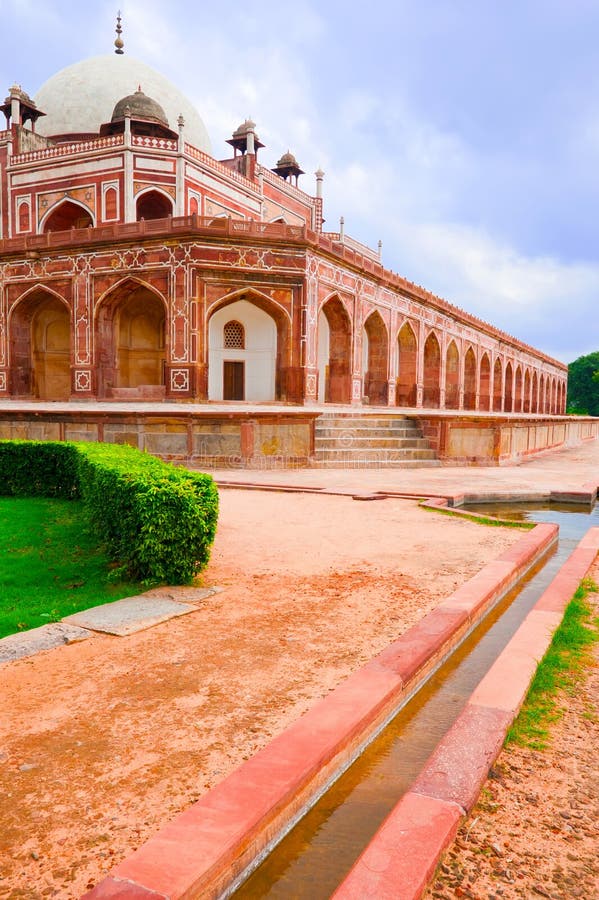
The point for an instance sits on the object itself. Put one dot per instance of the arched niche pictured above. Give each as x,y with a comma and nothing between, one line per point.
67,215
484,398
452,377
153,205
432,372
334,353
407,378
40,347
376,360
130,338
534,407
518,390
497,386
248,372
508,403
470,379
526,395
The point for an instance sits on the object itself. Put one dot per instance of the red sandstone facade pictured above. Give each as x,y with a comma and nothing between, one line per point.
135,265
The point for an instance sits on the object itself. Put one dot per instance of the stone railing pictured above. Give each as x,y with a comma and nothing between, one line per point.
285,186
173,225
154,143
70,149
214,164
335,236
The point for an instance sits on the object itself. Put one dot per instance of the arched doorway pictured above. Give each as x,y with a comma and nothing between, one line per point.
452,377
508,405
534,407
470,379
242,353
130,339
526,397
432,371
497,385
542,394
334,353
518,390
153,205
484,394
67,215
40,346
405,393
376,361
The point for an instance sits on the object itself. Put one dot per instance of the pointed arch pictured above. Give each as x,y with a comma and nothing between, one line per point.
518,389
452,376
376,373
432,371
470,379
153,204
67,214
40,346
263,364
526,401
334,351
130,327
547,401
542,393
407,378
534,393
497,386
508,397
484,391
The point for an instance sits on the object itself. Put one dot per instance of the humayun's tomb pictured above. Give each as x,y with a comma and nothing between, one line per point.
136,268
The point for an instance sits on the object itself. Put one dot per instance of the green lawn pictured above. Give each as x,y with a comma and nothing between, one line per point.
50,564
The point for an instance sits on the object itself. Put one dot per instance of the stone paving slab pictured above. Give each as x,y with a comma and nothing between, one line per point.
46,637
184,593
123,617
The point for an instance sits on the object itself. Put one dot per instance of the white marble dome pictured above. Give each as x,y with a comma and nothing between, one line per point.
82,97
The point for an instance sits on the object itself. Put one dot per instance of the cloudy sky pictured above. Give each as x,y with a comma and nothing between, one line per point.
462,133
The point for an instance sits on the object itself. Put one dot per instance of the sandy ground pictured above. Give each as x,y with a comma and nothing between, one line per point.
535,830
102,742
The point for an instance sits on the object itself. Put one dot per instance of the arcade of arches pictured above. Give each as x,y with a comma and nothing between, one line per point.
249,352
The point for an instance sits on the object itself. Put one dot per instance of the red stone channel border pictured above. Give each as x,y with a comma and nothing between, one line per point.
403,855
210,847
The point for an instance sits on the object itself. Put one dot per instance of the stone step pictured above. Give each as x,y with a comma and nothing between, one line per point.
349,441
365,422
374,453
356,440
374,464
359,432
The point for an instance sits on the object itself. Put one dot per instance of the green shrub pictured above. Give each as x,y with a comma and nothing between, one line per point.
38,469
157,522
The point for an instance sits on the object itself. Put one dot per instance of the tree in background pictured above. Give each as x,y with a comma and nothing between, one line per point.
583,385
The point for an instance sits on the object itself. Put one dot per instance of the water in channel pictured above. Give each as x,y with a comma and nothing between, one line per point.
318,852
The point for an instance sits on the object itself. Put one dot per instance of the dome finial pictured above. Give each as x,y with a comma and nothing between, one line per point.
119,43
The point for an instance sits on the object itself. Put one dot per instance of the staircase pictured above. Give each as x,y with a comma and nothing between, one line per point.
354,441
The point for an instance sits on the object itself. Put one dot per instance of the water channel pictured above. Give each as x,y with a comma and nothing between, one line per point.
318,852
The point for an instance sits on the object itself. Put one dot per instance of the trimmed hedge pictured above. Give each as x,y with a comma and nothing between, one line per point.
157,521
38,469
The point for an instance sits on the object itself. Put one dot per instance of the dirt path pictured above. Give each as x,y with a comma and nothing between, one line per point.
103,741
535,830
